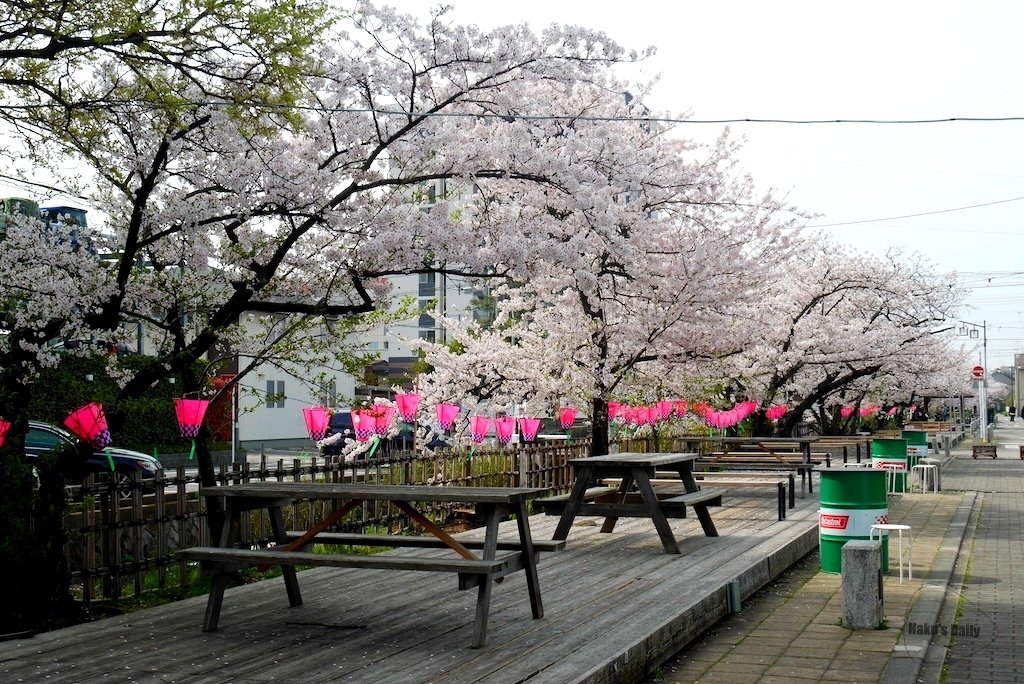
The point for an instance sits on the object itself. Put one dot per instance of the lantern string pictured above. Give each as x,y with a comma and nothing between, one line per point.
192,451
373,447
110,459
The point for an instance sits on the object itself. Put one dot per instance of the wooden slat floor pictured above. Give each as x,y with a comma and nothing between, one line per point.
616,606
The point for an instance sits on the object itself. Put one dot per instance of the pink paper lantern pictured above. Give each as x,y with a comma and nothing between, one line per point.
893,411
479,426
680,408
363,424
504,427
408,405
613,409
446,414
89,424
665,409
190,414
4,427
382,417
317,421
745,409
529,427
566,417
846,411
774,413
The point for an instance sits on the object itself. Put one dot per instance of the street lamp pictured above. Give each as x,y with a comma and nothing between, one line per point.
972,332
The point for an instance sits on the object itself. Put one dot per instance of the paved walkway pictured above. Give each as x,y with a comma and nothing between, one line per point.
960,619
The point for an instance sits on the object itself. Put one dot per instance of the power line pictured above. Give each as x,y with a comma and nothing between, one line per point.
925,213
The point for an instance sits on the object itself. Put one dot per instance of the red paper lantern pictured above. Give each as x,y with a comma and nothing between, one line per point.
446,415
408,405
479,426
4,427
317,420
89,424
190,414
505,426
529,427
566,417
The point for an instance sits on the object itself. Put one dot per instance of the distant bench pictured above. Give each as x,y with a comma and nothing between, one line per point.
607,501
752,461
664,482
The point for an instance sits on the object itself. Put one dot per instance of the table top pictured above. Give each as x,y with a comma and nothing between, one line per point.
332,490
751,440
636,459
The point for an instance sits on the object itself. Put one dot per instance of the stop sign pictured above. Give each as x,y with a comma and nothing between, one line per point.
978,371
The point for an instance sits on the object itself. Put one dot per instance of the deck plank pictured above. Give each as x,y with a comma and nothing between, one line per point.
605,595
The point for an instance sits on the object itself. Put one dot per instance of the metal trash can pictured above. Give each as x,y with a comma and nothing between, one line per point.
888,452
851,501
917,445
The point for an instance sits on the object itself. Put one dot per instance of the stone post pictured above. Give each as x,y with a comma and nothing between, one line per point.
862,584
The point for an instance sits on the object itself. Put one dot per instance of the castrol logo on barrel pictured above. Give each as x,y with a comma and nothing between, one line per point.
831,521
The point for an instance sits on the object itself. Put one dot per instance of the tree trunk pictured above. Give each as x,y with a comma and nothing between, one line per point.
599,427
32,557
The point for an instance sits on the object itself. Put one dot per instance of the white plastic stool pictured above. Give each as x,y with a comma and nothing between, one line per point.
892,481
927,472
889,527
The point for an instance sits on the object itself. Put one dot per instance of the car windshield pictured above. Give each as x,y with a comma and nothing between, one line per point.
47,438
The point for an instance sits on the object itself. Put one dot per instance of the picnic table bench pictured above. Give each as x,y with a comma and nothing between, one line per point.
664,483
474,570
634,497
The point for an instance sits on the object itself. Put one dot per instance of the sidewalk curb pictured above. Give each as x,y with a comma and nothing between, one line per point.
914,650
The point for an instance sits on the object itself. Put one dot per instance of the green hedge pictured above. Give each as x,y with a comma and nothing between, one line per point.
145,423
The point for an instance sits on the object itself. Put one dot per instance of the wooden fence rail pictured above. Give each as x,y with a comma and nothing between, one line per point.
120,535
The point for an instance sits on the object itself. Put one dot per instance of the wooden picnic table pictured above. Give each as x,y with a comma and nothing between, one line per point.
634,497
776,447
474,570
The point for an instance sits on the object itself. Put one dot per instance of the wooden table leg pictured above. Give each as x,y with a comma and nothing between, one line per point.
584,475
219,579
291,581
643,484
703,515
483,595
529,560
609,522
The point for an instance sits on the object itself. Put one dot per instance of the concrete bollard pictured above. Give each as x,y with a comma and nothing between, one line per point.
862,584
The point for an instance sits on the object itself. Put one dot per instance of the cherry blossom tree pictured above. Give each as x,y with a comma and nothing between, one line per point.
235,202
848,326
663,273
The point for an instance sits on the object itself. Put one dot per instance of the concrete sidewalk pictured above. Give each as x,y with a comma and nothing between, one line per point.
960,613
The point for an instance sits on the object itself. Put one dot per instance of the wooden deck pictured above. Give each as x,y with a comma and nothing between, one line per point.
616,606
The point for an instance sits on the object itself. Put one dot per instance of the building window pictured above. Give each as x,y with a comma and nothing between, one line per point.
275,394
428,335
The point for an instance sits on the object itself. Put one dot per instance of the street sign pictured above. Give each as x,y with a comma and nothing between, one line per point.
978,372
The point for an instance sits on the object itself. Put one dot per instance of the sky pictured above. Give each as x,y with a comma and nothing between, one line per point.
804,60
906,60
